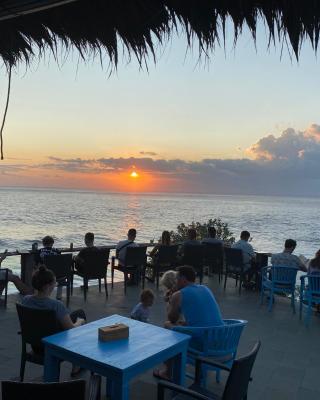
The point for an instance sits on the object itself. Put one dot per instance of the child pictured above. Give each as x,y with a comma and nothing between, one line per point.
169,282
141,311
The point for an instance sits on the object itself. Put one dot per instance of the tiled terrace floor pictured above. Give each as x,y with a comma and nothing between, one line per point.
287,366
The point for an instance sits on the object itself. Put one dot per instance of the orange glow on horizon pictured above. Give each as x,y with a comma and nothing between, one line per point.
134,174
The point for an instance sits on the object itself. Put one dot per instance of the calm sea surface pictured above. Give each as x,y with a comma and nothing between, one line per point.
27,215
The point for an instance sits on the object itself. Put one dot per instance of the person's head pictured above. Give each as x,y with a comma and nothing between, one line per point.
245,235
186,275
315,262
89,239
290,245
212,232
147,297
43,280
192,234
132,233
169,280
47,241
165,238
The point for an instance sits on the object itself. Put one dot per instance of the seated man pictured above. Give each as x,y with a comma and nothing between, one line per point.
286,258
191,241
121,248
47,250
248,253
212,233
22,287
80,258
196,303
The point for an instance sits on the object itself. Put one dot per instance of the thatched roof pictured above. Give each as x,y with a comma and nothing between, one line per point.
98,26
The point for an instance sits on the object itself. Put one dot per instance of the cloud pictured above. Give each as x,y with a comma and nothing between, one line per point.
290,144
285,165
148,153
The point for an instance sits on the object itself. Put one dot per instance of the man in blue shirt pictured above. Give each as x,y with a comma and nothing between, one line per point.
196,303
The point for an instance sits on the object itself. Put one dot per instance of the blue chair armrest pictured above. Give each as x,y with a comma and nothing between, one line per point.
162,385
212,363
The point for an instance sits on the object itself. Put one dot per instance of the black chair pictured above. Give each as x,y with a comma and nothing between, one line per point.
134,263
51,391
234,265
165,259
4,282
95,266
61,266
193,255
213,258
236,386
35,324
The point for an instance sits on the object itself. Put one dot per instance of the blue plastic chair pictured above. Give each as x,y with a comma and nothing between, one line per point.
218,342
309,294
278,280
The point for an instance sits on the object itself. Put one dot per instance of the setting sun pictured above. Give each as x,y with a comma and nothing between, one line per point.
134,174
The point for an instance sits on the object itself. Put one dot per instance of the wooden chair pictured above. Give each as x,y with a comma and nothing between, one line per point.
236,387
35,324
61,266
234,265
95,266
134,263
193,255
165,259
213,257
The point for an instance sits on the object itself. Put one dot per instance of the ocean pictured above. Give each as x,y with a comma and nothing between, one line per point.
29,214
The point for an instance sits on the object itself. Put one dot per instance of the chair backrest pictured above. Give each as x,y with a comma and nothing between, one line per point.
216,340
237,383
213,253
167,254
95,264
233,258
193,255
314,284
36,324
136,256
283,275
59,264
39,391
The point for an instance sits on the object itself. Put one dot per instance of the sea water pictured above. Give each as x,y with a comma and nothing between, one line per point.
29,214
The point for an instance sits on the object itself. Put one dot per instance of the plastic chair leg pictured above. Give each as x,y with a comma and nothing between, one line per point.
270,301
261,295
106,287
112,276
293,303
99,280
85,288
225,280
22,368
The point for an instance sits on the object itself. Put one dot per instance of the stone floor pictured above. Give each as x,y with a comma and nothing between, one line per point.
287,366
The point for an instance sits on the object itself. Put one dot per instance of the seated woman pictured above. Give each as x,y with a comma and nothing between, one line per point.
314,264
44,281
154,253
165,241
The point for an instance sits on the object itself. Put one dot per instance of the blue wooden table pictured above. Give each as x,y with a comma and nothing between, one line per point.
121,360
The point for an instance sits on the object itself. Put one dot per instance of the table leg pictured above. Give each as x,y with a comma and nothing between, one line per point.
51,367
179,368
120,390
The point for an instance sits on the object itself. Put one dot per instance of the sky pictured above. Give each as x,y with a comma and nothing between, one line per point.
244,122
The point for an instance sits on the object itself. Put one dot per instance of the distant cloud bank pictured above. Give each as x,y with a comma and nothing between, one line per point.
284,165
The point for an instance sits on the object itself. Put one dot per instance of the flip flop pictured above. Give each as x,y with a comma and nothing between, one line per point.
156,374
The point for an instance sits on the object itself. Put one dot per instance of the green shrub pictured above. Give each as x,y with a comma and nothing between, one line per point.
223,231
